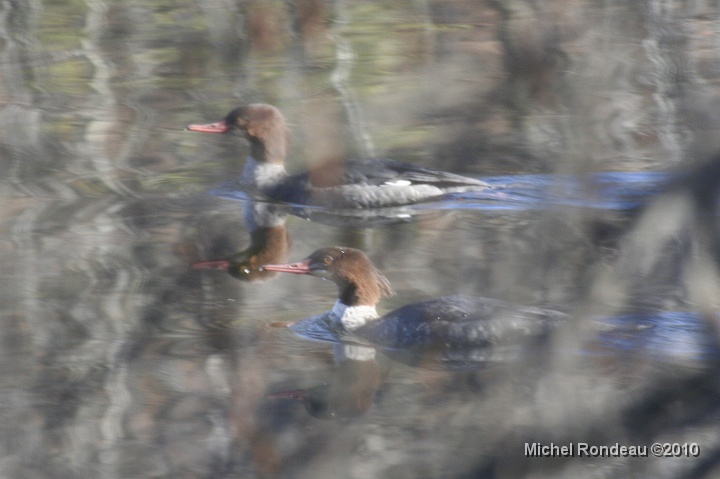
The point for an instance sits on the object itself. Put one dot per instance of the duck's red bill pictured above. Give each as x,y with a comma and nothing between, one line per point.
212,264
301,267
218,127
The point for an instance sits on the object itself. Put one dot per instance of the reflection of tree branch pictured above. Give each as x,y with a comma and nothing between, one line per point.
99,130
340,78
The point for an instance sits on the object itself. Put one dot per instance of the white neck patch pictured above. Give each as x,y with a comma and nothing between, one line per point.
352,317
263,175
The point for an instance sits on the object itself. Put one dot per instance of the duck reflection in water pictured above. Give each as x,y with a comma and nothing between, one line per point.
338,192
269,241
351,391
449,332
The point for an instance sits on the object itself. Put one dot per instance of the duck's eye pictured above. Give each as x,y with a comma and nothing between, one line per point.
328,260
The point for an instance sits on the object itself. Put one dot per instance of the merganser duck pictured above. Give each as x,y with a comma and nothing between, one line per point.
452,322
338,184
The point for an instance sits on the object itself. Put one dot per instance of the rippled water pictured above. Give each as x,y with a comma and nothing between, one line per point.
120,360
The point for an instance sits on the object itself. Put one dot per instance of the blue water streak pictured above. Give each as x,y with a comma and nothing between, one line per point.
612,190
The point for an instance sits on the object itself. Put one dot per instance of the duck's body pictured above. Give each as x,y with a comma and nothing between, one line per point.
448,322
455,322
336,184
357,184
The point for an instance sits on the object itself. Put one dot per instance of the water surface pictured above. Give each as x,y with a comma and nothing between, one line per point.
119,360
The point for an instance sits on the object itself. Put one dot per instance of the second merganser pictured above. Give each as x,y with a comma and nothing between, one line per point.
338,184
449,322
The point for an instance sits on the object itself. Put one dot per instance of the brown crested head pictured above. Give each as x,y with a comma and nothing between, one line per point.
266,129
263,124
359,282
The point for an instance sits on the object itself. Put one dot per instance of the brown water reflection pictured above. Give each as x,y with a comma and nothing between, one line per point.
118,360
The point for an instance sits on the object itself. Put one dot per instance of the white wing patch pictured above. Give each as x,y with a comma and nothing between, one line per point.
397,183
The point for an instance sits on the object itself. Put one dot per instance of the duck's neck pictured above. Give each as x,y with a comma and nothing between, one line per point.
362,286
271,150
353,317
